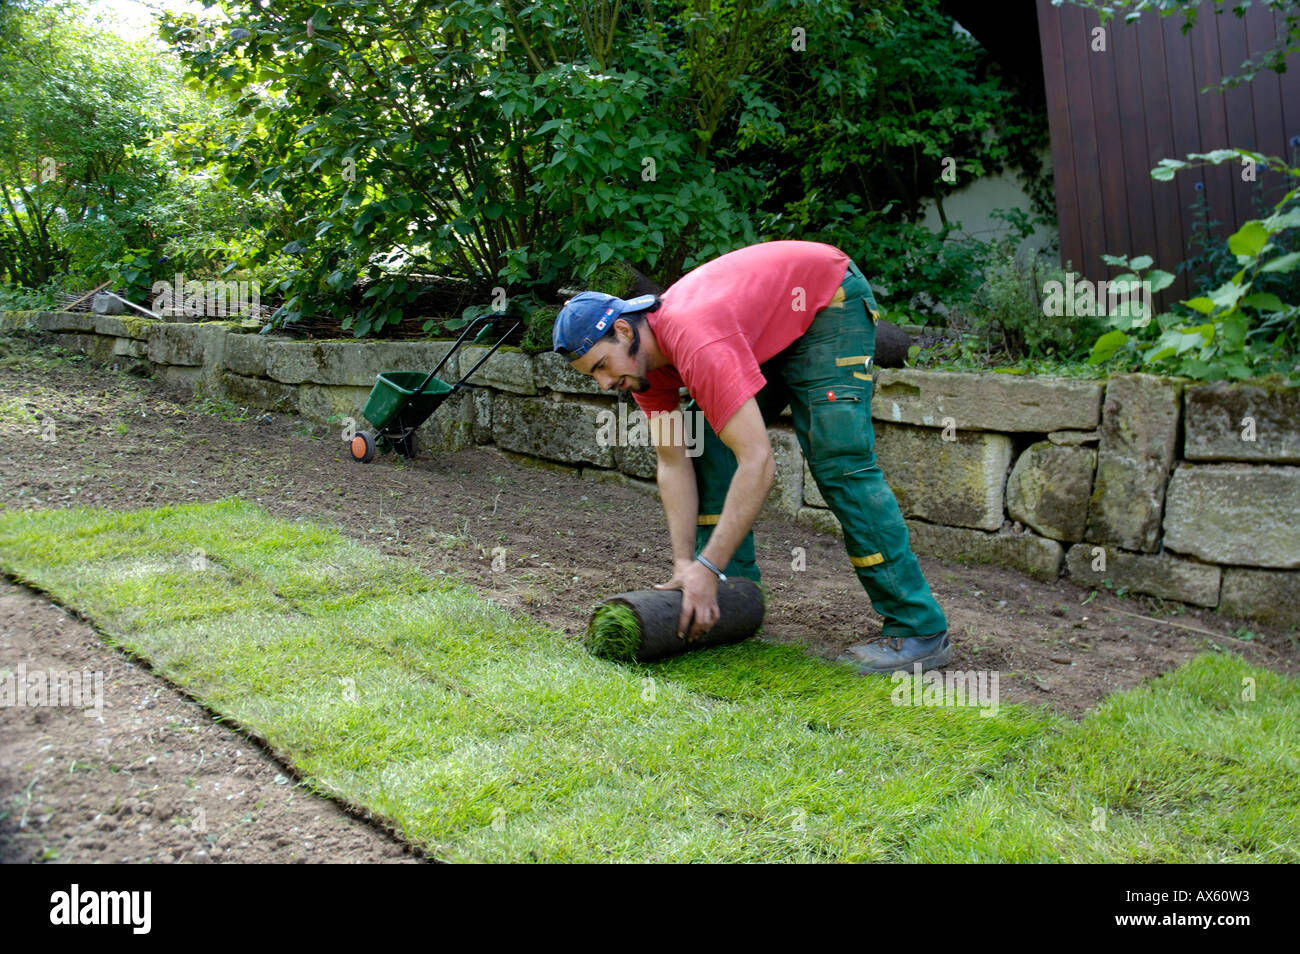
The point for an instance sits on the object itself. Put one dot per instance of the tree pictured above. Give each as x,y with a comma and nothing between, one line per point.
507,143
78,109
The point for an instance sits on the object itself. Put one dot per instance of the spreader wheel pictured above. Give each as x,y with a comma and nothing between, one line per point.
362,447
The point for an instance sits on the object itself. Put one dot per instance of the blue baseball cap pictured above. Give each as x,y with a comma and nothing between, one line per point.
587,316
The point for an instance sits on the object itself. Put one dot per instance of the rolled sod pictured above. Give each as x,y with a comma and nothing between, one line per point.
641,626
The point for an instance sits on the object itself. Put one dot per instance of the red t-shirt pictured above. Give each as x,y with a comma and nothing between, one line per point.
719,322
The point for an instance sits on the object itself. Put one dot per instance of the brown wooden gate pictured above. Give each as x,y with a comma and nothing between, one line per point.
1114,114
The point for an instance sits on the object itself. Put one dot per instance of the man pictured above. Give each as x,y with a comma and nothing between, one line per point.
748,333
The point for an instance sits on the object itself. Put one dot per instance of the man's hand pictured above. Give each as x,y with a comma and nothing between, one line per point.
699,598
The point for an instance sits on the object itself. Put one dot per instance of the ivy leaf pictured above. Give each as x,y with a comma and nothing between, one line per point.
1159,280
1217,156
1228,294
1280,221
1264,301
1234,332
1283,263
1106,346
1166,169
1249,240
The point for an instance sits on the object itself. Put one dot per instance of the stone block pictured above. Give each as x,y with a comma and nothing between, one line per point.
1243,514
1242,421
246,355
19,320
506,370
993,402
1049,487
259,393
552,372
1270,596
786,497
130,348
450,428
353,363
126,326
1036,556
1074,438
957,483
1033,555
186,380
65,321
482,415
819,520
1139,434
319,403
622,427
1156,574
812,494
177,345
560,430
96,347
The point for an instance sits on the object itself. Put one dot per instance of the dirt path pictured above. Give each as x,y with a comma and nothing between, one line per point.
158,780
125,443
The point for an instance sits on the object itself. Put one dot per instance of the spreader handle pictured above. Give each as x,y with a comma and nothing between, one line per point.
452,350
491,351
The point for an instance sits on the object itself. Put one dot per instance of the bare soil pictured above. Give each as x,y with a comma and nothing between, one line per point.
75,789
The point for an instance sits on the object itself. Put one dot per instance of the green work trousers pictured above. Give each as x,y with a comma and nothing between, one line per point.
826,379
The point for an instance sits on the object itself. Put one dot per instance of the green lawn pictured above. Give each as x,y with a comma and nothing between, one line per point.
483,736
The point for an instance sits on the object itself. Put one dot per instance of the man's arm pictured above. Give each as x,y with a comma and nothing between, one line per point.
677,490
746,435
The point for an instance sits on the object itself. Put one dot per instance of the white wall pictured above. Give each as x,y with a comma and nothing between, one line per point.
972,204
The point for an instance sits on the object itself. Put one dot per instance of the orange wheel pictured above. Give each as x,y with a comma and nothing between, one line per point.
362,447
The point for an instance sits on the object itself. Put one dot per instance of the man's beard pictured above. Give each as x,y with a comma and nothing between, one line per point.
635,383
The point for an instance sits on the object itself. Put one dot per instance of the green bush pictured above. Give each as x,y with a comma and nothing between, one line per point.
538,327
921,273
1010,311
1235,330
18,298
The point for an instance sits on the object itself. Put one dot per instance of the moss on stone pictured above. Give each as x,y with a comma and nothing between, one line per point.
135,326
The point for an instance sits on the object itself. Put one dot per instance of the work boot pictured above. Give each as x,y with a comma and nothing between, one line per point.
884,655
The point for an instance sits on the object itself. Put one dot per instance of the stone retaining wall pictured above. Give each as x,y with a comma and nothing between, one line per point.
1159,486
